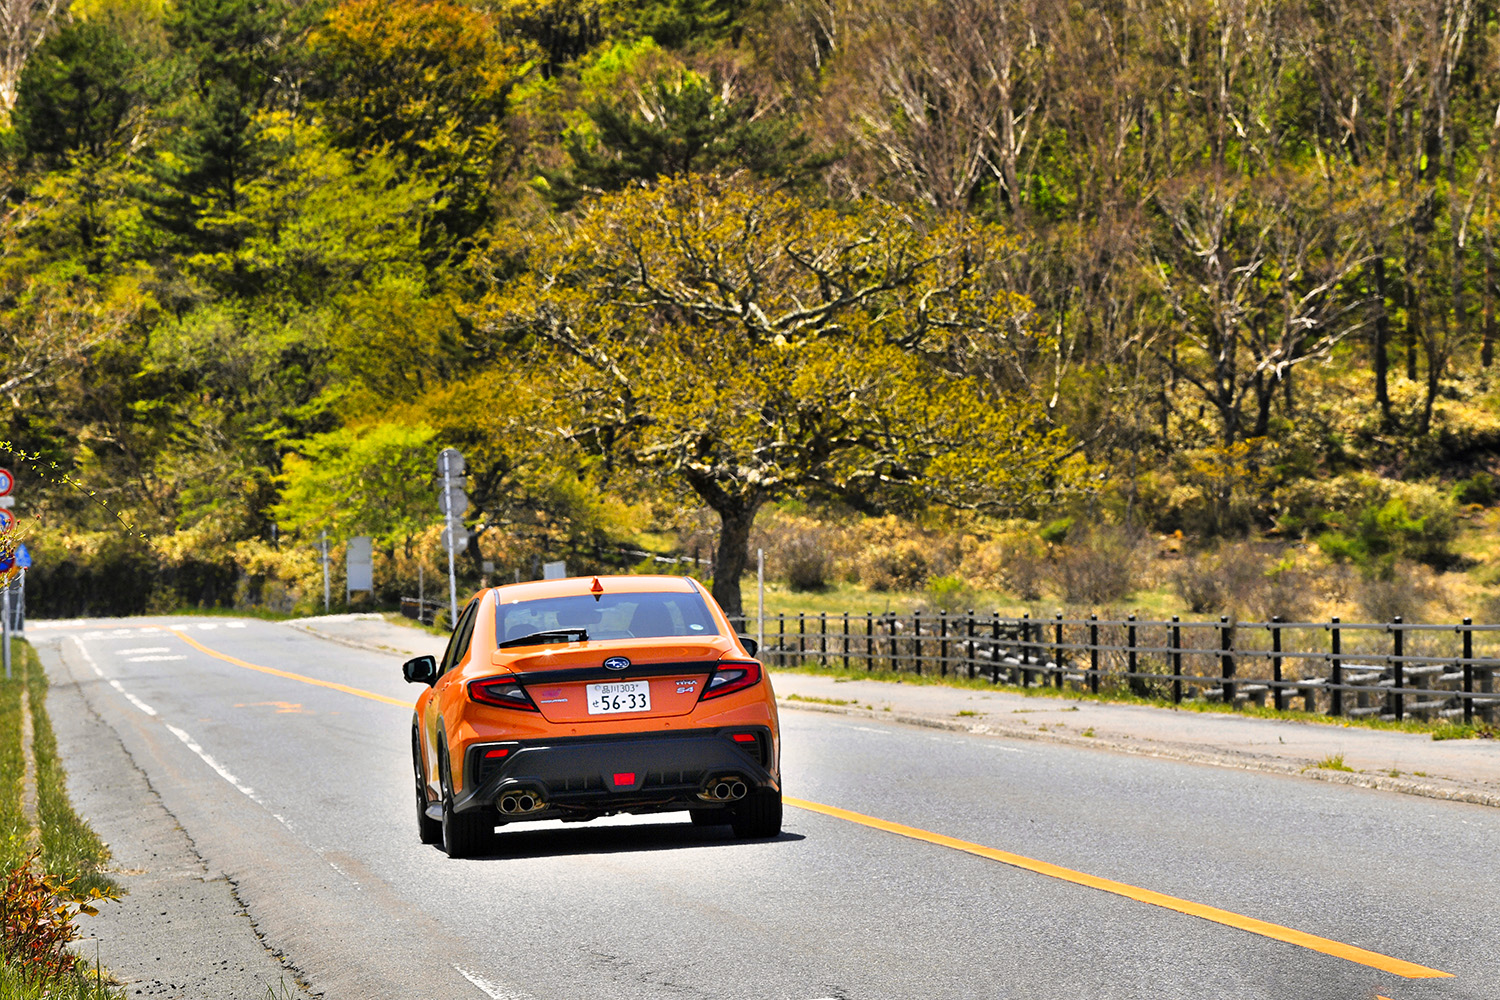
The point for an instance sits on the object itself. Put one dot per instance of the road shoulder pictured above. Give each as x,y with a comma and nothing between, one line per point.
177,931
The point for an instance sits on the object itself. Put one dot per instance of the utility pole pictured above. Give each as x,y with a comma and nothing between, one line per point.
452,501
323,547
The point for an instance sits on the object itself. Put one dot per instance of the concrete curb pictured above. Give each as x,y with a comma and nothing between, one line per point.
1168,751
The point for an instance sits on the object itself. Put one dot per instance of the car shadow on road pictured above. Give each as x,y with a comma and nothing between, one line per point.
522,844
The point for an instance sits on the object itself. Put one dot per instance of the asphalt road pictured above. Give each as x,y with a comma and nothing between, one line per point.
261,813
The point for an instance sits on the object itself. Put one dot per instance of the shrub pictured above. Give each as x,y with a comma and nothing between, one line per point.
1479,488
951,593
37,911
1230,580
1056,532
1102,565
901,565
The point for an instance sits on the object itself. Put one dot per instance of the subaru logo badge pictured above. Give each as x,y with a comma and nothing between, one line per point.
616,663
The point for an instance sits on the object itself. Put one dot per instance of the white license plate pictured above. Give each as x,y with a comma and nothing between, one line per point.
619,696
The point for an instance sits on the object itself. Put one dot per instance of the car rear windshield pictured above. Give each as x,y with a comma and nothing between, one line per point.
612,616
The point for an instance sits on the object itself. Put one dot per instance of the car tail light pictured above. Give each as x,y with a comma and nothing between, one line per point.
501,691
731,676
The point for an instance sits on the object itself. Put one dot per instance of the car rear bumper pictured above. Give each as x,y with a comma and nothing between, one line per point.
593,775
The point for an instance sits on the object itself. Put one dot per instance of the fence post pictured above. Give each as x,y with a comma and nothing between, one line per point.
1336,676
1468,672
801,638
943,642
1025,649
1057,651
869,641
1094,652
1277,697
969,630
1398,648
916,641
1130,658
995,648
1226,660
846,640
822,638
1176,645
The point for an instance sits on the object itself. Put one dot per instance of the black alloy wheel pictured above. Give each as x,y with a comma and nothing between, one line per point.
464,834
758,815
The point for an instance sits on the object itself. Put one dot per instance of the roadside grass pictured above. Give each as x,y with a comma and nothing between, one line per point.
1333,762
69,873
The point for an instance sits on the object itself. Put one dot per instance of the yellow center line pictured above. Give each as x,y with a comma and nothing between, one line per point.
358,692
1276,932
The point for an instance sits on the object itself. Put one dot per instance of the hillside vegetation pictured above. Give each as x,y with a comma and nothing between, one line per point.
972,297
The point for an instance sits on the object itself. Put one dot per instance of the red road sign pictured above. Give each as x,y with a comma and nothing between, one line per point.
7,482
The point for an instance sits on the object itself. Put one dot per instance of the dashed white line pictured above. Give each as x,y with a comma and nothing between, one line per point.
130,697
154,658
141,650
220,768
486,987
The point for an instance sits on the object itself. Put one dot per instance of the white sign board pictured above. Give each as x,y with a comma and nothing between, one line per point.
360,565
554,570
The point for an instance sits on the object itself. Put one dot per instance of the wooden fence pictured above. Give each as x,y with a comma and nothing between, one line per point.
1391,670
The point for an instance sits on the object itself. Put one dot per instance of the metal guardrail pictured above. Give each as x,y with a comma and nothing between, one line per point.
1389,670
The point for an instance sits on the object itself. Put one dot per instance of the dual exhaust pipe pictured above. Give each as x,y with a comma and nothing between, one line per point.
520,803
724,790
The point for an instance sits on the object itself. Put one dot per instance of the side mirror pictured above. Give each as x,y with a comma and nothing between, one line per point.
751,646
420,670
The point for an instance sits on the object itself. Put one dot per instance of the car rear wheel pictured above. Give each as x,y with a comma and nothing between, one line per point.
464,834
757,815
429,829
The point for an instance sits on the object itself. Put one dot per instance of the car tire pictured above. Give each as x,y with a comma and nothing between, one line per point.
757,815
464,834
429,829
709,817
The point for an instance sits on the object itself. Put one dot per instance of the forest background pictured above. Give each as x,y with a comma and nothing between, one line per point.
1024,301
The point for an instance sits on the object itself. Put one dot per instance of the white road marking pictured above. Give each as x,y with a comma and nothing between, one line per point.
134,650
208,626
131,698
154,658
486,987
83,650
220,768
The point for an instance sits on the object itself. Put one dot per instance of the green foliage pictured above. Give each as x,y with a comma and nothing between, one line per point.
374,480
1480,488
1056,532
425,84
676,124
733,339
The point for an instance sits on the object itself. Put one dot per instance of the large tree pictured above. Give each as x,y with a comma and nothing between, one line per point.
733,339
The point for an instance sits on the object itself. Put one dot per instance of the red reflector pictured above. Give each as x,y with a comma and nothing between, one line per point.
625,778
744,737
597,588
502,752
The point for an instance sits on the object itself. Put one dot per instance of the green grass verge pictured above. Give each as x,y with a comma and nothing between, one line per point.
69,848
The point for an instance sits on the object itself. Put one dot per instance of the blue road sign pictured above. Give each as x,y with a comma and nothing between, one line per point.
23,557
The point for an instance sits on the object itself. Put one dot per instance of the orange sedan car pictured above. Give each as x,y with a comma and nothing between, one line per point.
579,698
